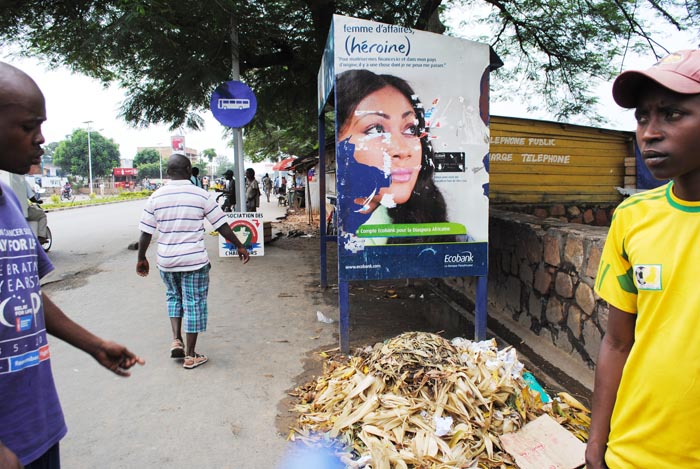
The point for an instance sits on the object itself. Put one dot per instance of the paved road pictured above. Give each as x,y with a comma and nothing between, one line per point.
221,415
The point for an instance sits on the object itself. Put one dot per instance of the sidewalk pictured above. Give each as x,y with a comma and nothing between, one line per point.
262,325
263,339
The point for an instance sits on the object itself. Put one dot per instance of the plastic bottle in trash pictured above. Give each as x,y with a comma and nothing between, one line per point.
535,386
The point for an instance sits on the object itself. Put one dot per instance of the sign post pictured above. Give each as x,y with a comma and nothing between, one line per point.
234,105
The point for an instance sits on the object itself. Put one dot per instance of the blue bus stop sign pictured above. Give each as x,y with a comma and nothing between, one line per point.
233,104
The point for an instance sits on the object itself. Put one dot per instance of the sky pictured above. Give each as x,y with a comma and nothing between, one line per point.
73,99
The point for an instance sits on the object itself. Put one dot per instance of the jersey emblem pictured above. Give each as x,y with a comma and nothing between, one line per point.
647,276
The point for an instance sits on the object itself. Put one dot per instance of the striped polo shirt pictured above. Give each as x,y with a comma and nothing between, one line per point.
177,211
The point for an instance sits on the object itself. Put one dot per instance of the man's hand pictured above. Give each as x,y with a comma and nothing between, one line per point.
8,459
117,358
142,267
243,254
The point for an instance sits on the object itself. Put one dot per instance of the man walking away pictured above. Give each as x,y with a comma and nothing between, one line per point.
177,211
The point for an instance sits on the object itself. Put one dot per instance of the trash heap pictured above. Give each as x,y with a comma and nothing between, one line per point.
421,401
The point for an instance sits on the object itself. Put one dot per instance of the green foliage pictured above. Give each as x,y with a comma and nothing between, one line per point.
209,154
94,199
551,50
72,154
170,56
146,155
151,170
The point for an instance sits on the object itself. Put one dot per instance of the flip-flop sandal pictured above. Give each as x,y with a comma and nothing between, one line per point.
177,349
194,362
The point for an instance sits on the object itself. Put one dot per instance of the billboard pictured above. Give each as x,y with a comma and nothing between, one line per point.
177,143
412,143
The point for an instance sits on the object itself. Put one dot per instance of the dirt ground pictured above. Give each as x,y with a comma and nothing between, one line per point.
379,310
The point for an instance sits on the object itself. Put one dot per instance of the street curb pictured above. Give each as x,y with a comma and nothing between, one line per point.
59,209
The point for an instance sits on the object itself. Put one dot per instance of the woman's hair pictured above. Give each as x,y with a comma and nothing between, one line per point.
426,204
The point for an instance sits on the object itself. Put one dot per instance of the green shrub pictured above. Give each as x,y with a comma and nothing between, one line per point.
55,198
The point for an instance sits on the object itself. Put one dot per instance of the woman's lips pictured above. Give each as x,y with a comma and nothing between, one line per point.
401,175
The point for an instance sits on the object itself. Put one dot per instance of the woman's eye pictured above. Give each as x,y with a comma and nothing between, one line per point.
375,129
411,130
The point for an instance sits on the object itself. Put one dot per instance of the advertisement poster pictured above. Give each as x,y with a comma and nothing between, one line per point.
248,227
412,145
177,143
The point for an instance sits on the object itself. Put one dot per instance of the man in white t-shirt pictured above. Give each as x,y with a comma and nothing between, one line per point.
177,211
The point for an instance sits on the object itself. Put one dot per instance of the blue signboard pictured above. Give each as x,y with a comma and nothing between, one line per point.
233,104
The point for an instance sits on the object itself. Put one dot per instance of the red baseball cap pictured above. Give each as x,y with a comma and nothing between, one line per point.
679,72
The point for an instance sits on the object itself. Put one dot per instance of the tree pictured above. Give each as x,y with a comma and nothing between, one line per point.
72,154
149,170
169,56
146,155
209,154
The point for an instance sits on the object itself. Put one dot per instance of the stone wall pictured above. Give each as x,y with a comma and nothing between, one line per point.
586,214
541,274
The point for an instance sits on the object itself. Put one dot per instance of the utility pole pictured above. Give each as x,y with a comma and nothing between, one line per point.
89,154
237,133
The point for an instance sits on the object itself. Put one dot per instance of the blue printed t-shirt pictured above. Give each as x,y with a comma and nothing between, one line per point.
31,416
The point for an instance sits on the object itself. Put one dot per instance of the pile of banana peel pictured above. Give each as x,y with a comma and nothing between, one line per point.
421,401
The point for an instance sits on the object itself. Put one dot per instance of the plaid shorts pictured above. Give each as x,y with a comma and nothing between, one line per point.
186,297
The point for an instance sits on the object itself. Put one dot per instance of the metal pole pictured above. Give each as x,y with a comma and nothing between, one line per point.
237,133
240,171
89,153
322,196
480,313
344,323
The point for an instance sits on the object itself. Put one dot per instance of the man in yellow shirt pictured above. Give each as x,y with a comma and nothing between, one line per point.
647,384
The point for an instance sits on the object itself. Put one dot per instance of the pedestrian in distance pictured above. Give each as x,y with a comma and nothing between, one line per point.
647,381
267,186
35,213
195,177
252,191
283,186
229,191
177,212
32,422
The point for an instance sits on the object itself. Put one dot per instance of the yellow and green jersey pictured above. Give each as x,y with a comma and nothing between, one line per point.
648,268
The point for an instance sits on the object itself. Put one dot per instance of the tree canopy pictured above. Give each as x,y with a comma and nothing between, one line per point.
147,161
146,155
71,155
170,56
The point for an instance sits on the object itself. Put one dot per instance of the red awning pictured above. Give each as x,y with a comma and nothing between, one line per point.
284,164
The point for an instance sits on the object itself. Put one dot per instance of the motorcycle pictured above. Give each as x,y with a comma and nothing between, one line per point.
47,242
67,193
227,201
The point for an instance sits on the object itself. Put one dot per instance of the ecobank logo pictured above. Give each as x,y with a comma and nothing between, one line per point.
463,259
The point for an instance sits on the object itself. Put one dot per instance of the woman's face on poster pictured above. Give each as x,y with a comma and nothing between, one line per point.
384,130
